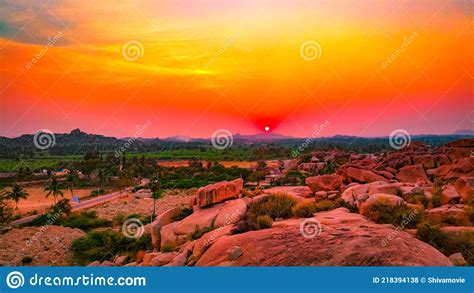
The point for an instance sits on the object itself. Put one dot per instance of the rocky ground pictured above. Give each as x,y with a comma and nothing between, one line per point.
433,185
37,246
142,203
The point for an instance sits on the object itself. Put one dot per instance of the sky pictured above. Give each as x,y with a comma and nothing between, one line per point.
362,68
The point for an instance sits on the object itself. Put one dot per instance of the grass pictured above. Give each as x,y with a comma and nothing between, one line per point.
182,214
104,245
307,209
260,214
434,236
197,233
85,221
382,212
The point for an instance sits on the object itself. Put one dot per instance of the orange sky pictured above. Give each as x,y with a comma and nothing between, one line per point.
237,65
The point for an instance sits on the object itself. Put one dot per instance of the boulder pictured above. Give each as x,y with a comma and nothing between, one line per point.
465,188
393,189
231,213
203,243
361,175
299,191
358,192
160,221
163,258
121,260
456,215
167,236
234,253
346,239
449,195
200,219
389,199
426,161
147,258
385,174
412,174
324,182
457,259
219,192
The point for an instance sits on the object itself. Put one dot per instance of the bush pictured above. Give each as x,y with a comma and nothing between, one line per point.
304,209
462,242
436,193
340,203
167,248
382,212
85,221
417,198
260,213
275,206
55,216
104,245
197,233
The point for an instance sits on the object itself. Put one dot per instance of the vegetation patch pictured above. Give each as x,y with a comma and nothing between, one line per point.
382,212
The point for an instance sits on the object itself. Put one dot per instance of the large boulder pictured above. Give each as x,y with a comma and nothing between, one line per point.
294,191
167,235
362,176
465,188
231,213
449,195
324,182
199,220
162,258
413,174
160,221
456,215
388,199
219,192
359,192
346,239
426,161
203,243
393,188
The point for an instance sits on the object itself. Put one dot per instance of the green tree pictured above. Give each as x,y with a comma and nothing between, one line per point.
54,187
16,194
102,179
71,180
156,192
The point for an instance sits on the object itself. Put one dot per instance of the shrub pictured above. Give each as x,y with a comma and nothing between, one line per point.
260,213
26,260
340,203
55,216
182,214
436,193
104,245
119,219
167,248
197,233
252,193
324,205
85,221
275,206
417,198
382,212
304,209
462,242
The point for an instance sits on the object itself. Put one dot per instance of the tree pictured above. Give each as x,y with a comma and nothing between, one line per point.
6,213
102,178
156,192
16,194
71,180
54,187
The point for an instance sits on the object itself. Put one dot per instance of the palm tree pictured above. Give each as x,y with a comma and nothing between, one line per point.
103,179
156,192
16,194
71,180
54,187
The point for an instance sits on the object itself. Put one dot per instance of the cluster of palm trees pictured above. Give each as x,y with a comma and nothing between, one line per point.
53,187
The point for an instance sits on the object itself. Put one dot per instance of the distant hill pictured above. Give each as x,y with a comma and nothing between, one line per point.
464,132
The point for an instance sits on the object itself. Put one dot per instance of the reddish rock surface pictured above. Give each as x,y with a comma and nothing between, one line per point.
346,240
465,188
412,174
219,192
324,182
361,175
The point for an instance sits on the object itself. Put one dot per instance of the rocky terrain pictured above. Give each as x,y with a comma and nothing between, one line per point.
412,206
37,246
